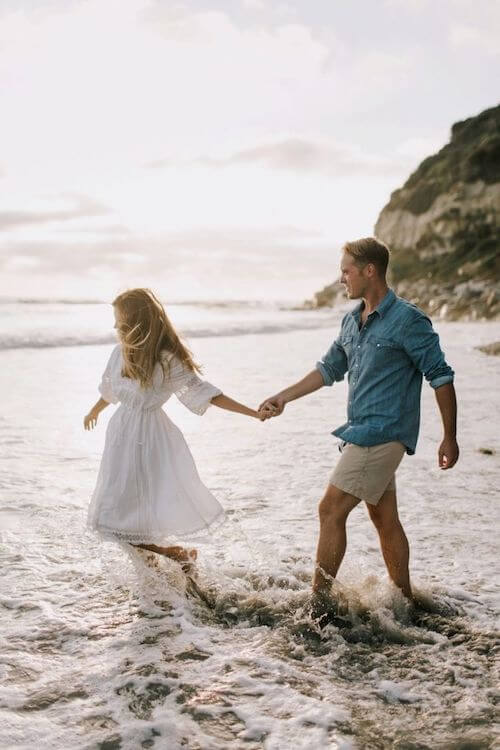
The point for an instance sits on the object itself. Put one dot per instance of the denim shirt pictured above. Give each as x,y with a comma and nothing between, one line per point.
385,361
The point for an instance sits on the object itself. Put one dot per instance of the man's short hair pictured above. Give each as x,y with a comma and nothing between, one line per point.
369,250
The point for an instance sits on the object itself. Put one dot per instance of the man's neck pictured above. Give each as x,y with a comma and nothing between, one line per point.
373,298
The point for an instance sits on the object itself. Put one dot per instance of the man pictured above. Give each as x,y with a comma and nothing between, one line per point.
385,345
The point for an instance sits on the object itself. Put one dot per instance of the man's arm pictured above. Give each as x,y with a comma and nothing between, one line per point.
331,368
311,382
447,402
422,345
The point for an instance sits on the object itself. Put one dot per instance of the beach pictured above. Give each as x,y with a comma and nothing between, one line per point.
100,651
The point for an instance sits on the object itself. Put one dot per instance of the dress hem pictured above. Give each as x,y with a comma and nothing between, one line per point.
156,538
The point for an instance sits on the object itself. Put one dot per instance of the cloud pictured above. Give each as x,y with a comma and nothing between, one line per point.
207,263
300,155
103,230
157,253
84,207
414,150
469,36
162,163
254,4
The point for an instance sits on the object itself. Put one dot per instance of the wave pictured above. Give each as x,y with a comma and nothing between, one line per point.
49,340
208,303
48,301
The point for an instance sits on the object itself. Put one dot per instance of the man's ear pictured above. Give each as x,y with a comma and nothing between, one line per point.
371,271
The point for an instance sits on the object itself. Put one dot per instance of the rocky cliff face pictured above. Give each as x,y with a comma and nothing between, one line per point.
443,227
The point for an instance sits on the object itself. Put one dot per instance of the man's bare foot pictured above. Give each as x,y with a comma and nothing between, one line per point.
327,610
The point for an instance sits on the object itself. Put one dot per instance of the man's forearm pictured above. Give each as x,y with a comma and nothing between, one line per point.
447,402
311,382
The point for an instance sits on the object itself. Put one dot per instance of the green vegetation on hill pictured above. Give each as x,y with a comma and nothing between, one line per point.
472,154
443,227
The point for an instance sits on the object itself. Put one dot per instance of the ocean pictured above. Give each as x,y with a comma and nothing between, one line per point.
98,650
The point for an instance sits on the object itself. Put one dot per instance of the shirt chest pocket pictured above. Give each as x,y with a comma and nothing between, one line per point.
382,349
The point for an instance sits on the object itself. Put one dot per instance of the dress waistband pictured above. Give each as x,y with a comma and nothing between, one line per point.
140,407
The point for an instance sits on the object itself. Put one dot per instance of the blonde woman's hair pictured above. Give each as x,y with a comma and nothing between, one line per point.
145,332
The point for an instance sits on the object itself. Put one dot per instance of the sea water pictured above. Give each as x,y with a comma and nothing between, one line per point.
100,648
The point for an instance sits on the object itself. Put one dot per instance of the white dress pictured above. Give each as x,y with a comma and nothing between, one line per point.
148,489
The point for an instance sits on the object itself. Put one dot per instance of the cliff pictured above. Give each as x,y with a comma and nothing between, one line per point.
443,227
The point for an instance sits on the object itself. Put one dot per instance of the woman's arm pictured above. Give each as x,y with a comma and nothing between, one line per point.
90,419
224,402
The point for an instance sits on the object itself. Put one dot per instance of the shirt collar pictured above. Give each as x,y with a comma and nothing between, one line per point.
381,308
386,303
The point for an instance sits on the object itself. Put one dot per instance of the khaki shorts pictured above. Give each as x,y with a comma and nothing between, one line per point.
367,472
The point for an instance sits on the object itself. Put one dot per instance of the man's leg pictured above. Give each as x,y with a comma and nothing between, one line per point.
393,540
333,511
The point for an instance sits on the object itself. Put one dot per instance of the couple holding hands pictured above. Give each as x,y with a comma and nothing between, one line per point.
148,491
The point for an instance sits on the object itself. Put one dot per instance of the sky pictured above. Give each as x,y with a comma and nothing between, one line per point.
219,149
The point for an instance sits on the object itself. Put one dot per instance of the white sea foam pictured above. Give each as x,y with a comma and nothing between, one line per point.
99,650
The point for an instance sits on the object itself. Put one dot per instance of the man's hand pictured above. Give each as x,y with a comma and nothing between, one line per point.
448,453
273,405
267,411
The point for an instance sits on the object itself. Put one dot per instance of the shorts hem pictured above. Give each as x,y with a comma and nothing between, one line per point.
359,495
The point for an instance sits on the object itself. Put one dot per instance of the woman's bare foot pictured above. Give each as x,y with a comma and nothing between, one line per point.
185,557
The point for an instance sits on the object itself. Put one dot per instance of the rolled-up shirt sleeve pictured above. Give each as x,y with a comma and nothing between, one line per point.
421,343
333,366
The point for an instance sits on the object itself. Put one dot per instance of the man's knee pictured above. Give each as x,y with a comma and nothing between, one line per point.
335,505
384,514
386,523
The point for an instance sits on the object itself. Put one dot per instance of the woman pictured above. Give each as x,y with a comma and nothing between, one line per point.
148,490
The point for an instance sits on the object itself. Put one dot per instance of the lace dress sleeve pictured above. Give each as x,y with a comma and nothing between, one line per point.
191,390
105,386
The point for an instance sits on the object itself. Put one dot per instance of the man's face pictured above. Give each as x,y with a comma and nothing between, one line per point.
352,277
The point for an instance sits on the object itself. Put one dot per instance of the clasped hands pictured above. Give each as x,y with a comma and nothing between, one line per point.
271,407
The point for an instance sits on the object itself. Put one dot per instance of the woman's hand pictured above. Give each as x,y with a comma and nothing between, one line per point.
266,411
90,419
273,406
